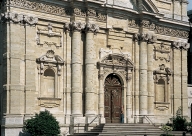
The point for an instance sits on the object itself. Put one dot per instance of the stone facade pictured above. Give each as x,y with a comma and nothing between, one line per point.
58,55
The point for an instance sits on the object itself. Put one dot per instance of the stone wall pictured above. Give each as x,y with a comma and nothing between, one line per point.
56,56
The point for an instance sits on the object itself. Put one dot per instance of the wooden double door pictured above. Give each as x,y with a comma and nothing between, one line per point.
113,99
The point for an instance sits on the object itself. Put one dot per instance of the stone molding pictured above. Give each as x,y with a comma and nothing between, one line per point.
91,28
58,10
50,60
145,37
180,45
18,18
49,102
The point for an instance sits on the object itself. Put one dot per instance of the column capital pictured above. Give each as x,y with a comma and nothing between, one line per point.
66,27
91,28
180,45
145,37
77,26
18,18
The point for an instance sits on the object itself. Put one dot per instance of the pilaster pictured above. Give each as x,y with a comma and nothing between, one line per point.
136,76
176,76
184,74
150,82
68,72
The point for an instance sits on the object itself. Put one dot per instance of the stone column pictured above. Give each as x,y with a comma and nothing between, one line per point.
76,68
184,74
150,82
90,65
143,94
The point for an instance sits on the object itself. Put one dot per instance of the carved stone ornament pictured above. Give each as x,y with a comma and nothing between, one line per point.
78,12
185,46
162,73
50,60
38,6
132,23
181,45
101,17
118,60
18,18
55,37
91,13
67,26
162,52
105,52
77,26
30,20
91,28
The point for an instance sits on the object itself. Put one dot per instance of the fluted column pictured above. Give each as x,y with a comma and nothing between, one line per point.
90,65
76,68
150,82
143,94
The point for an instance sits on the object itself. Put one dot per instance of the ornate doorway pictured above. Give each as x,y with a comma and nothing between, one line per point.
113,99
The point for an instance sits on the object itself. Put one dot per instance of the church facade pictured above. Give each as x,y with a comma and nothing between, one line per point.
79,59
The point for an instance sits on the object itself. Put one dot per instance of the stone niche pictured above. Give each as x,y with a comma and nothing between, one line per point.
161,80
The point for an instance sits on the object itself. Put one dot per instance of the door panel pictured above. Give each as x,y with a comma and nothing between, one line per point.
113,97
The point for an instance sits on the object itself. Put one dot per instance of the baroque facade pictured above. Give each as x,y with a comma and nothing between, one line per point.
83,58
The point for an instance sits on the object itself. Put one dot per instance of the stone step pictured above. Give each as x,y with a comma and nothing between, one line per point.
126,130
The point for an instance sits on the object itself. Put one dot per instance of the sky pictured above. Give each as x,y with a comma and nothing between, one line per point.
189,5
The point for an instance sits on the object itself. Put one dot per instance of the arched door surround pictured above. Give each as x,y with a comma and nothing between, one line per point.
115,67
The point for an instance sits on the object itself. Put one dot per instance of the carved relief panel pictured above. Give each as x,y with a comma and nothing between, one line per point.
49,36
162,52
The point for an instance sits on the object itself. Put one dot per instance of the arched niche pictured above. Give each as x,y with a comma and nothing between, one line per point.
49,69
162,87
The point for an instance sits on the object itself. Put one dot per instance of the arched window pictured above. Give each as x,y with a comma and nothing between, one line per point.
161,94
49,83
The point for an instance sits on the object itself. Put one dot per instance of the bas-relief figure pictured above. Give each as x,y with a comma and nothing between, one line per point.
99,57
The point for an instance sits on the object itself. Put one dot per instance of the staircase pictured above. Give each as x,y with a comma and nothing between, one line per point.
126,130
